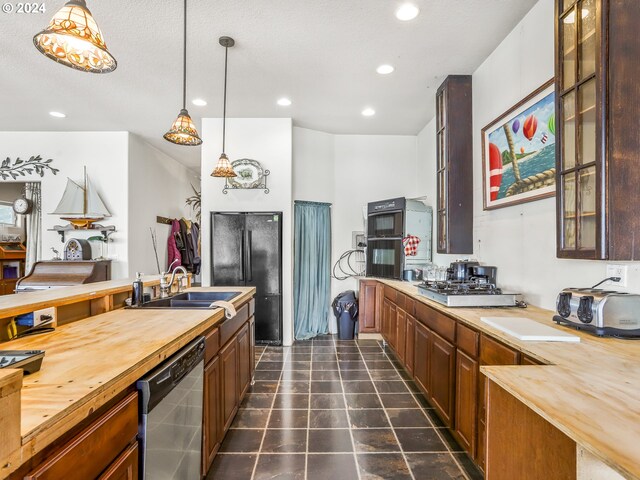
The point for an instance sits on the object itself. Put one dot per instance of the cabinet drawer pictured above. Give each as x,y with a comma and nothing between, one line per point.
410,306
96,447
390,293
436,321
231,326
467,340
212,344
493,352
401,300
527,360
125,467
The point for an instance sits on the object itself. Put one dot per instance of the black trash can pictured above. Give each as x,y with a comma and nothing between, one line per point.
345,308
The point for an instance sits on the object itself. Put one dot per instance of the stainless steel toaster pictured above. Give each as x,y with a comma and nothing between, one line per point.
603,312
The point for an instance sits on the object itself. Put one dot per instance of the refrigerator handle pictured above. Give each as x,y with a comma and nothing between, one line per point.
249,259
242,253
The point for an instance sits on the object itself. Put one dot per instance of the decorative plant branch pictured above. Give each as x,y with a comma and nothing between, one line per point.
194,202
21,168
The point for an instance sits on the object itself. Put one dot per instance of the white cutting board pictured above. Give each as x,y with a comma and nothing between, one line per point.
529,330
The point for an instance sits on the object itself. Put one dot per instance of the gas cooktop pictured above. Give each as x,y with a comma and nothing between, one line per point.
467,294
29,360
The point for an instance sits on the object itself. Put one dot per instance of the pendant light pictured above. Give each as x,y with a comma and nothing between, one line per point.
183,131
74,39
223,167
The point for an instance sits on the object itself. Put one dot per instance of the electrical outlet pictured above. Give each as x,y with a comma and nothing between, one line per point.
617,271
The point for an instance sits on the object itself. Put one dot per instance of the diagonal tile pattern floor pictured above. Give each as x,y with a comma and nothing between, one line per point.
331,409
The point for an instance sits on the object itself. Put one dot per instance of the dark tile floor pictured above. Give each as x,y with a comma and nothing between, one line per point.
330,409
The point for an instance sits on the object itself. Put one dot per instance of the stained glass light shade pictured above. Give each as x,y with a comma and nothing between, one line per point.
223,168
74,39
183,131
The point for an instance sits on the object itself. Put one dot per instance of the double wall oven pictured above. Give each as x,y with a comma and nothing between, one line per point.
385,230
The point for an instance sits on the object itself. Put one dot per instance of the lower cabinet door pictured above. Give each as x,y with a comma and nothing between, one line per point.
125,467
252,345
229,382
393,323
410,343
466,401
421,357
212,422
244,361
386,309
401,330
442,377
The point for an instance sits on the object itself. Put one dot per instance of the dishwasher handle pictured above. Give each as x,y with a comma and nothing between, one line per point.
161,381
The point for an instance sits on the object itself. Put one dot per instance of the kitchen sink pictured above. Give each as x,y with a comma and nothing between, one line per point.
190,300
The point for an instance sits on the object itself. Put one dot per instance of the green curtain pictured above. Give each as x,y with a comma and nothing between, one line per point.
312,269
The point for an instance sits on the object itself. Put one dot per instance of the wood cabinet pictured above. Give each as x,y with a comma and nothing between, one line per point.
421,357
597,100
252,346
454,165
125,467
102,441
244,367
409,356
212,431
442,366
401,333
393,326
230,394
369,306
492,352
466,401
519,441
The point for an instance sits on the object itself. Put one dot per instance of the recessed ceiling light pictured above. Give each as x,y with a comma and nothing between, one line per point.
199,102
385,69
368,112
57,114
284,102
407,12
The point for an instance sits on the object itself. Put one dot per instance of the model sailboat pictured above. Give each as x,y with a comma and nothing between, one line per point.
80,204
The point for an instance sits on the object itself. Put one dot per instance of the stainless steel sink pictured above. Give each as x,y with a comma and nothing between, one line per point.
190,300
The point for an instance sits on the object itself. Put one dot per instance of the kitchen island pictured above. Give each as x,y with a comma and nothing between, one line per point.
93,363
585,395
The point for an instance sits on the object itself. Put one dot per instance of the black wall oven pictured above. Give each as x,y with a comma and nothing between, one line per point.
384,257
386,218
385,229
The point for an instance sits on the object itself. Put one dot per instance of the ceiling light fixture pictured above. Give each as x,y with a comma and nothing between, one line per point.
385,69
57,114
199,102
368,112
223,167
74,39
407,12
284,102
183,131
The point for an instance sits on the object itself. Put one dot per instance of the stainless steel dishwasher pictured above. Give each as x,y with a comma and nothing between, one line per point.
170,426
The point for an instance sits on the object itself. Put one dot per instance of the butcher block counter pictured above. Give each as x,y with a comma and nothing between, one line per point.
590,391
89,362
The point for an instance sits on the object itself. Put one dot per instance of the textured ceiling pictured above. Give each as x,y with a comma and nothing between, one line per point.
320,53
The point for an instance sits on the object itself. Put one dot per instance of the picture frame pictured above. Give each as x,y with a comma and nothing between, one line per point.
518,152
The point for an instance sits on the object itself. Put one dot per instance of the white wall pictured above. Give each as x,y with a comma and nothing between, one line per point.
269,141
105,156
519,240
158,186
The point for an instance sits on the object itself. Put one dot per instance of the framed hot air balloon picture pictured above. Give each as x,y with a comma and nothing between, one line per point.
519,152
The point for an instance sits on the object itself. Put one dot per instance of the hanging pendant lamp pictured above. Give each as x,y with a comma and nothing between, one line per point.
223,167
183,131
74,39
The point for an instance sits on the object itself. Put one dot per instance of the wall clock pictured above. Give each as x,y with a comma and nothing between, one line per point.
77,249
249,175
22,206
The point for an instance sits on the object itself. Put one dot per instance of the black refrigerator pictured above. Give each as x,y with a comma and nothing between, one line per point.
246,250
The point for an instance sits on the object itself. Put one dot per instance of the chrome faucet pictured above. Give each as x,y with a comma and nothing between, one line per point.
165,287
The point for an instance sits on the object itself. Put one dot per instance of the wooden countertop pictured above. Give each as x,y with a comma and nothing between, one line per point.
17,304
589,390
89,362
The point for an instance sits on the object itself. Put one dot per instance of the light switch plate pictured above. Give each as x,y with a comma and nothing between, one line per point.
616,270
